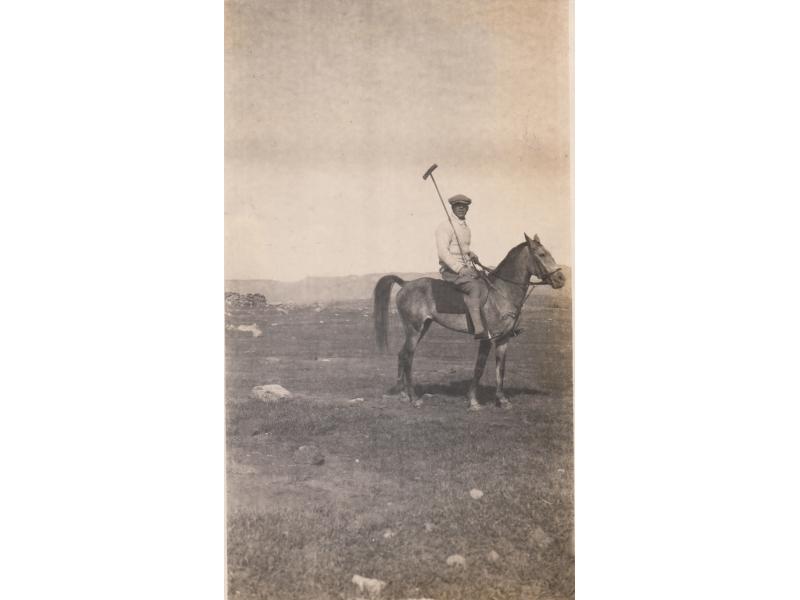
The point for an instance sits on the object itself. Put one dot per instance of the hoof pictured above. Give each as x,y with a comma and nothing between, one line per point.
404,397
474,406
503,402
417,403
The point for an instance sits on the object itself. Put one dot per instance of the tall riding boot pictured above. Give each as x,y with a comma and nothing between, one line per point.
477,320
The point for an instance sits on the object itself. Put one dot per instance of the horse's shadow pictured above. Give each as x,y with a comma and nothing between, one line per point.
485,393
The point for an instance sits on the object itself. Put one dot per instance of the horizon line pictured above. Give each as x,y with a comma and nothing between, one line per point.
338,276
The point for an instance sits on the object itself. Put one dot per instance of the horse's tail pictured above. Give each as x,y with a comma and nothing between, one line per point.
381,297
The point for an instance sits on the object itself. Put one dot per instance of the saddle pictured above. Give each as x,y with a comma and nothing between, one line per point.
449,299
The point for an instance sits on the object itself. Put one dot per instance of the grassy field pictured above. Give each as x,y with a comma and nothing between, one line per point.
324,486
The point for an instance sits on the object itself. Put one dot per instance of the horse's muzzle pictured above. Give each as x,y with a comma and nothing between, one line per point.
557,280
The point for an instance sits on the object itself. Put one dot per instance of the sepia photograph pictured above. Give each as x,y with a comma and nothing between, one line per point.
398,299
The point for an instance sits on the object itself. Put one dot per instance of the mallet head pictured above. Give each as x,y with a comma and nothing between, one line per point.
429,171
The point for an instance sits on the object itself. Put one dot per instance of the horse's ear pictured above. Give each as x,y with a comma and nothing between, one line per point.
534,241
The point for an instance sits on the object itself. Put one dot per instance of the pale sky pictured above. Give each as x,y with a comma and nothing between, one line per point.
335,109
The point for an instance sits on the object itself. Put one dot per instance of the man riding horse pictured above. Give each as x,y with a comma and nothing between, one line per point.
457,262
502,292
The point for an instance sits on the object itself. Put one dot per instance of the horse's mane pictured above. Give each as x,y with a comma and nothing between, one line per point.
512,254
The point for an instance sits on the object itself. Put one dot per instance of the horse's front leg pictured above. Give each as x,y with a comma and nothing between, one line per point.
500,373
480,365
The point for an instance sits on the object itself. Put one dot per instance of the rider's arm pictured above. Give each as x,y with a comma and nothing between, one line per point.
444,235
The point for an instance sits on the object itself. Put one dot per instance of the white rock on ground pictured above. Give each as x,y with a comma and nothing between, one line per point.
270,392
254,329
310,455
476,494
372,586
388,534
541,538
493,556
356,400
456,560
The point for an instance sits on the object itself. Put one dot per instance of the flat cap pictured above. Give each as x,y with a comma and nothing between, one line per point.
459,199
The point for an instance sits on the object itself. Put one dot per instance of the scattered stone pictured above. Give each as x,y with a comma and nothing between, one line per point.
356,400
322,322
427,396
429,526
493,556
254,329
372,586
310,455
270,393
476,494
388,534
324,359
282,310
541,538
456,560
272,359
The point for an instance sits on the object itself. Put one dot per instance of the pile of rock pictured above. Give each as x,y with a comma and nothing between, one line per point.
234,300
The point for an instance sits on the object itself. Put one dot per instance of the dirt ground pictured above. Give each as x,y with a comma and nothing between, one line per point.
341,480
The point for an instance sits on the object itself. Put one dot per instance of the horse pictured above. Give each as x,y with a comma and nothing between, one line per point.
420,302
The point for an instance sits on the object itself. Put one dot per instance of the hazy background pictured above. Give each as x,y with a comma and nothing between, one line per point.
334,110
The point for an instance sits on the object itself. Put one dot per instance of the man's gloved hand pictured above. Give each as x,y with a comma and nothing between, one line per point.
474,257
470,272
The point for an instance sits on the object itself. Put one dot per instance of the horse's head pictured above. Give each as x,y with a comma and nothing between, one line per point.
542,264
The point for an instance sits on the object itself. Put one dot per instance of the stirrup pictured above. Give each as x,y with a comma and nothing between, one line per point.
486,336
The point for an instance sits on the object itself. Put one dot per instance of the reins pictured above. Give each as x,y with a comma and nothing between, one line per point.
528,285
543,280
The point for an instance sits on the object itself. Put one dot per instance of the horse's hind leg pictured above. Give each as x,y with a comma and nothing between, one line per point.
406,358
480,365
401,369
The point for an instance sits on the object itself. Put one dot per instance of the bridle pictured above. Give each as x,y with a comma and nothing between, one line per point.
543,274
544,279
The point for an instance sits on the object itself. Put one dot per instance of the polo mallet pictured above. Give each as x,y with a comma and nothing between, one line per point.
429,173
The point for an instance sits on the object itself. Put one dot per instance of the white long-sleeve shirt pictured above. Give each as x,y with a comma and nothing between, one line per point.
447,246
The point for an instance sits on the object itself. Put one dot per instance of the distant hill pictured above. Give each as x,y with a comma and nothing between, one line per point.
334,289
